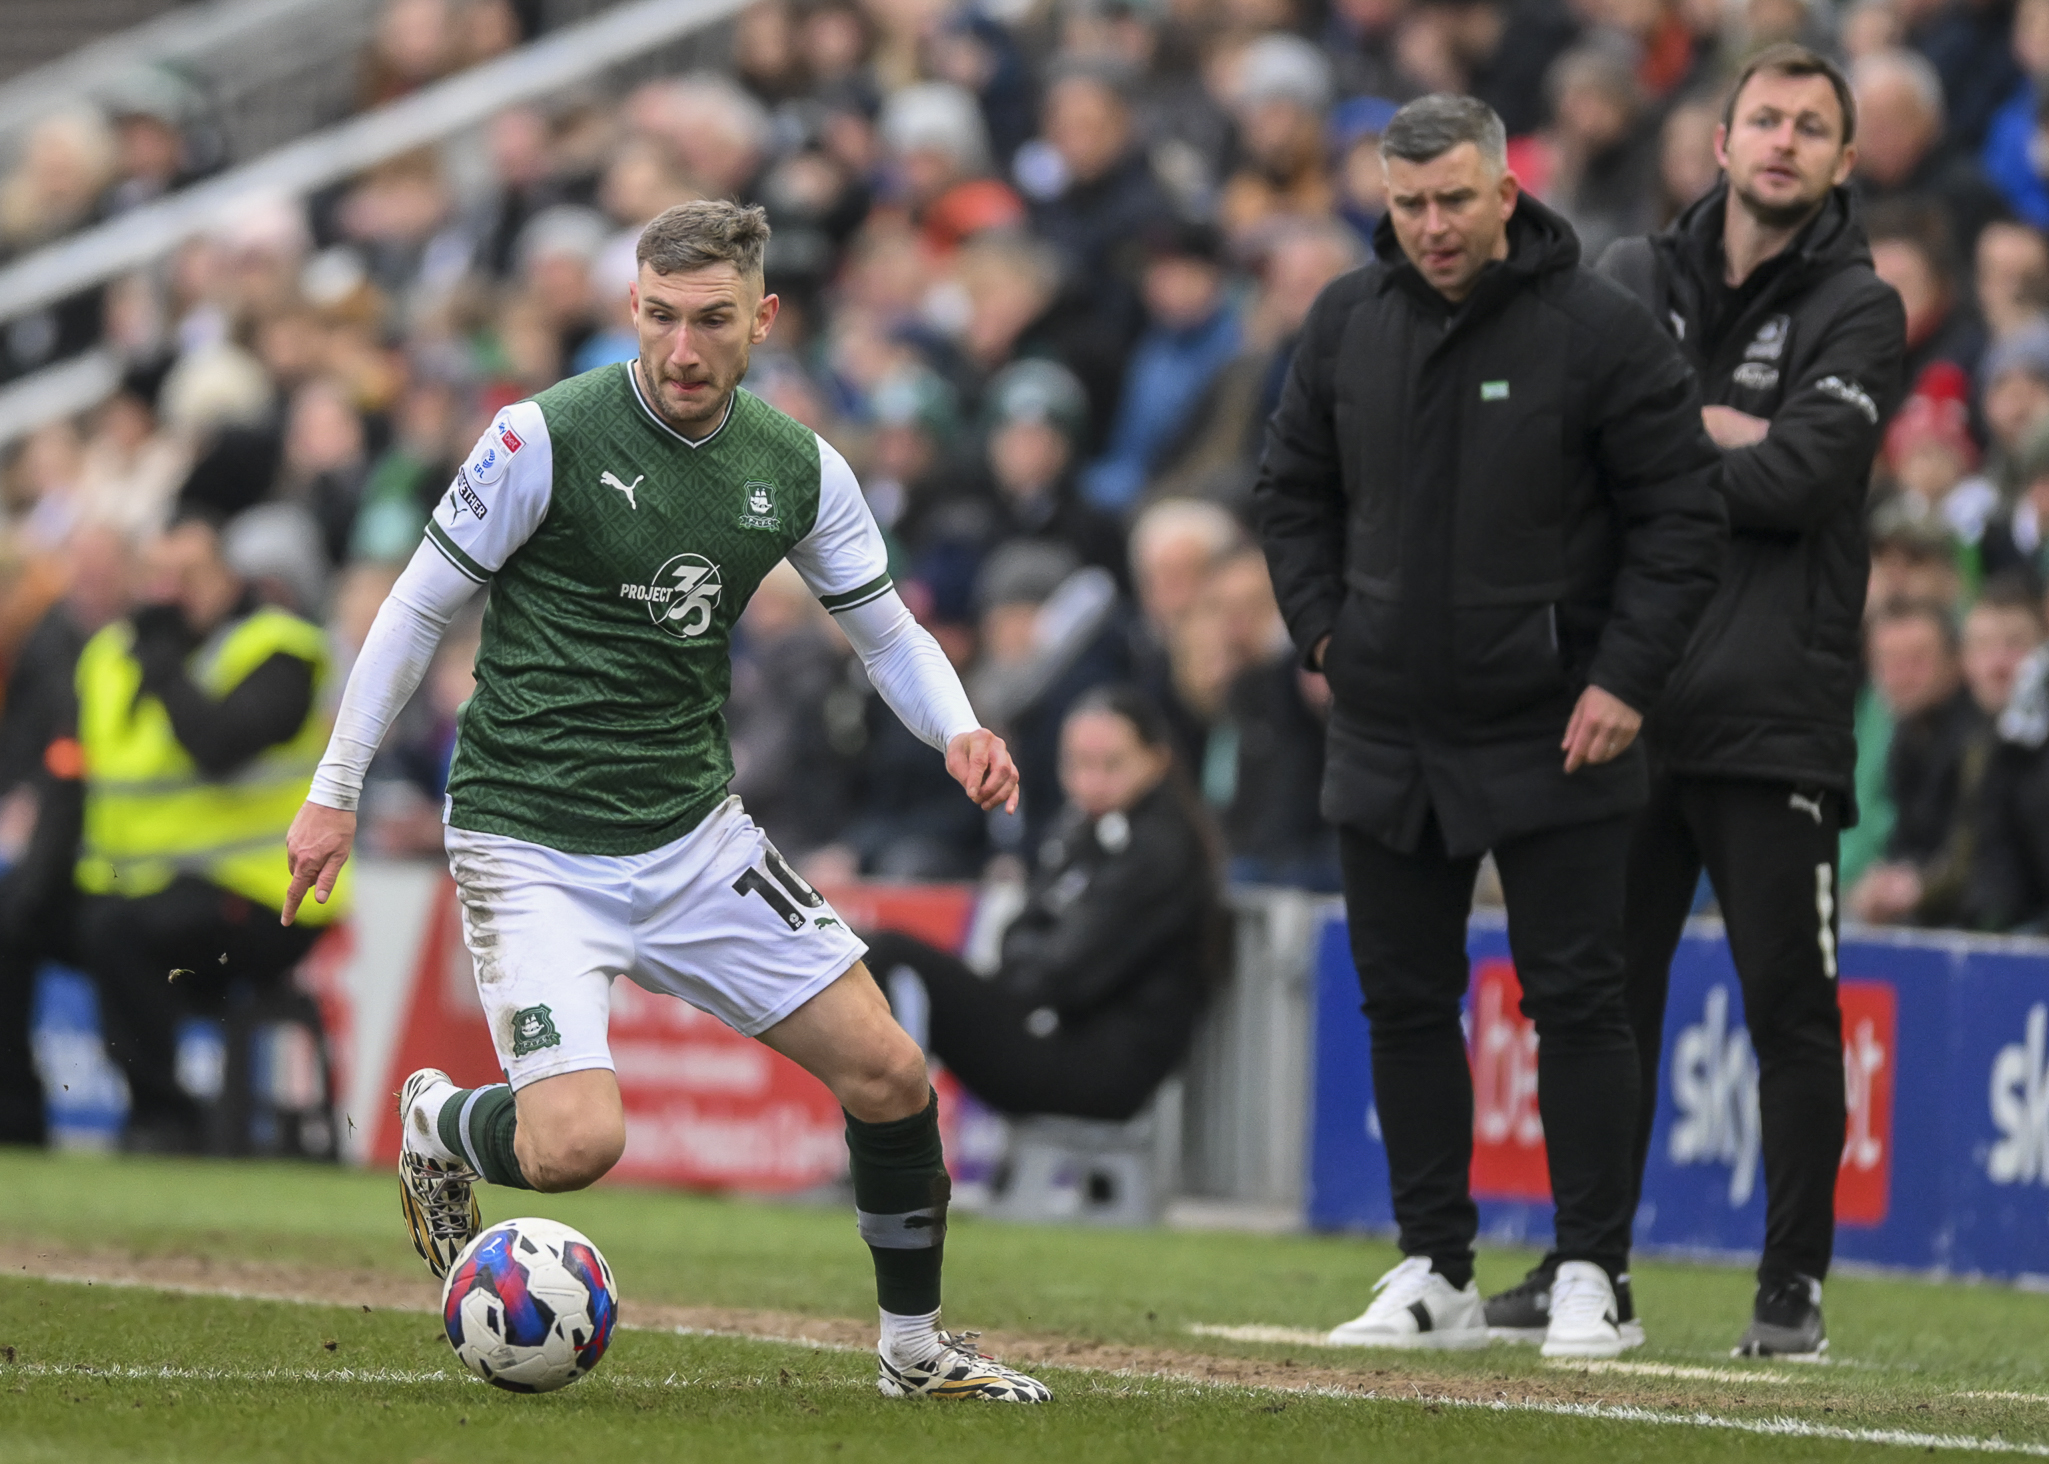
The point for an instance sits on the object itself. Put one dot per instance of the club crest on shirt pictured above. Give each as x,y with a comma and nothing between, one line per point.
1770,340
760,512
532,1029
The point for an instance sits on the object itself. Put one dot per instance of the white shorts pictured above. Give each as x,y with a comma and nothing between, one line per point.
716,917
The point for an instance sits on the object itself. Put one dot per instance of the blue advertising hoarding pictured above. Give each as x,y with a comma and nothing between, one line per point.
1946,1156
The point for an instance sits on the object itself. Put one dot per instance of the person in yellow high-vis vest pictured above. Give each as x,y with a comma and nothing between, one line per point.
200,720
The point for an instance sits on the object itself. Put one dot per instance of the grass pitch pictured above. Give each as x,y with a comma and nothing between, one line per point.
132,1372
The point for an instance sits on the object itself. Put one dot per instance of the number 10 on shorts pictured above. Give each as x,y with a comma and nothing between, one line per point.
781,886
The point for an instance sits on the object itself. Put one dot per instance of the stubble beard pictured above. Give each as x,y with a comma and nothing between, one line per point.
698,426
1780,215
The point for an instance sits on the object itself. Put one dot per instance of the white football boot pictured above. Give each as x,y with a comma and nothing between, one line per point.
1585,1321
955,1369
437,1197
1417,1308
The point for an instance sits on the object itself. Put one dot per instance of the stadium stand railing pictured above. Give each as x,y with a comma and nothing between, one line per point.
617,46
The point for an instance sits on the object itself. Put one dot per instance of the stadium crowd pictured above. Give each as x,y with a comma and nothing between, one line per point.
1042,268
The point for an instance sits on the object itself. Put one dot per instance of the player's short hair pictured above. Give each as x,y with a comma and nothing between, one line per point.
1789,59
704,232
1432,126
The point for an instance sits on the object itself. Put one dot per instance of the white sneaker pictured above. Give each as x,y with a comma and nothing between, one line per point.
1583,1314
1417,1308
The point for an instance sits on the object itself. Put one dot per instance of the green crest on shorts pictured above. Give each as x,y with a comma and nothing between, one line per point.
532,1029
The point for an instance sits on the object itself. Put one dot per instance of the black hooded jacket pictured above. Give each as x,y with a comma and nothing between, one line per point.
1487,509
1813,342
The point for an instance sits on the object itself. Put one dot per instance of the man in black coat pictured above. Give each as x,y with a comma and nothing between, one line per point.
1768,286
1490,511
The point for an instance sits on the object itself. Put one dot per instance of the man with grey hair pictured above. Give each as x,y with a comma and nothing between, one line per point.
1489,507
623,518
1900,153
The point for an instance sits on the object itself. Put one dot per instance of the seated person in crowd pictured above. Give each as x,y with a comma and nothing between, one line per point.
198,721
2009,886
1916,665
1109,964
2001,631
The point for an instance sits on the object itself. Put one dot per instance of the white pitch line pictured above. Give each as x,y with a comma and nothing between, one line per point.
2010,1397
1605,1412
1293,1336
1774,1427
235,1375
1673,1370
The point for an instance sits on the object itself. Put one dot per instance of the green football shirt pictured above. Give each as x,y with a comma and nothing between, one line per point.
619,555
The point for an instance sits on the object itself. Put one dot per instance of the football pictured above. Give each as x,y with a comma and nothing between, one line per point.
529,1306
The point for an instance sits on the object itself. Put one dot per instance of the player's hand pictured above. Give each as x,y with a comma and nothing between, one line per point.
1731,428
316,848
981,764
1601,729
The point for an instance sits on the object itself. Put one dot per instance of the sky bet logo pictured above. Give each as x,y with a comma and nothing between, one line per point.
1718,1119
2020,1106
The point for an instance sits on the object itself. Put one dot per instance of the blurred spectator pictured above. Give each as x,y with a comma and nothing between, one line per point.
2009,886
67,162
1899,145
1106,969
1092,189
2001,631
1915,664
719,134
133,463
404,481
151,110
2011,276
1049,632
2014,396
557,251
1912,251
415,43
940,150
1280,93
1037,423
1500,51
326,459
2012,139
1359,181
787,716
1686,156
1970,43
1217,454
1604,161
1192,332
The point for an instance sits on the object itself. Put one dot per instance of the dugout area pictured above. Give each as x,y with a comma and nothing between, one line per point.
169,1310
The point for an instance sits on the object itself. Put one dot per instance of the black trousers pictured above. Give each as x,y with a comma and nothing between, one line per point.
1564,889
1770,850
130,947
1105,1069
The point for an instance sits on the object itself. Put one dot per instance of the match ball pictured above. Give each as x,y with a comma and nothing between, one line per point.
529,1306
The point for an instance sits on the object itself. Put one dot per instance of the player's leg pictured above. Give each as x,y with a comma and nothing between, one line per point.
725,923
1772,850
846,1038
546,932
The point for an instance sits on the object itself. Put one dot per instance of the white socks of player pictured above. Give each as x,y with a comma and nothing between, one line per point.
423,1123
909,1340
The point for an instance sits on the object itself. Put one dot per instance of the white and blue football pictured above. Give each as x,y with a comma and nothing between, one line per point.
529,1306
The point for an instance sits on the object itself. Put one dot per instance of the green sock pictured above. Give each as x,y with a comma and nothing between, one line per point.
900,1194
479,1123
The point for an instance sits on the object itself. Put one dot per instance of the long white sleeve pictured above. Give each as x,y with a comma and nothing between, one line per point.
908,668
395,657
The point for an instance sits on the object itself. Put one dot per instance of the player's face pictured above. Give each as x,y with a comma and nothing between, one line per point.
1104,765
697,328
1785,149
1451,216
